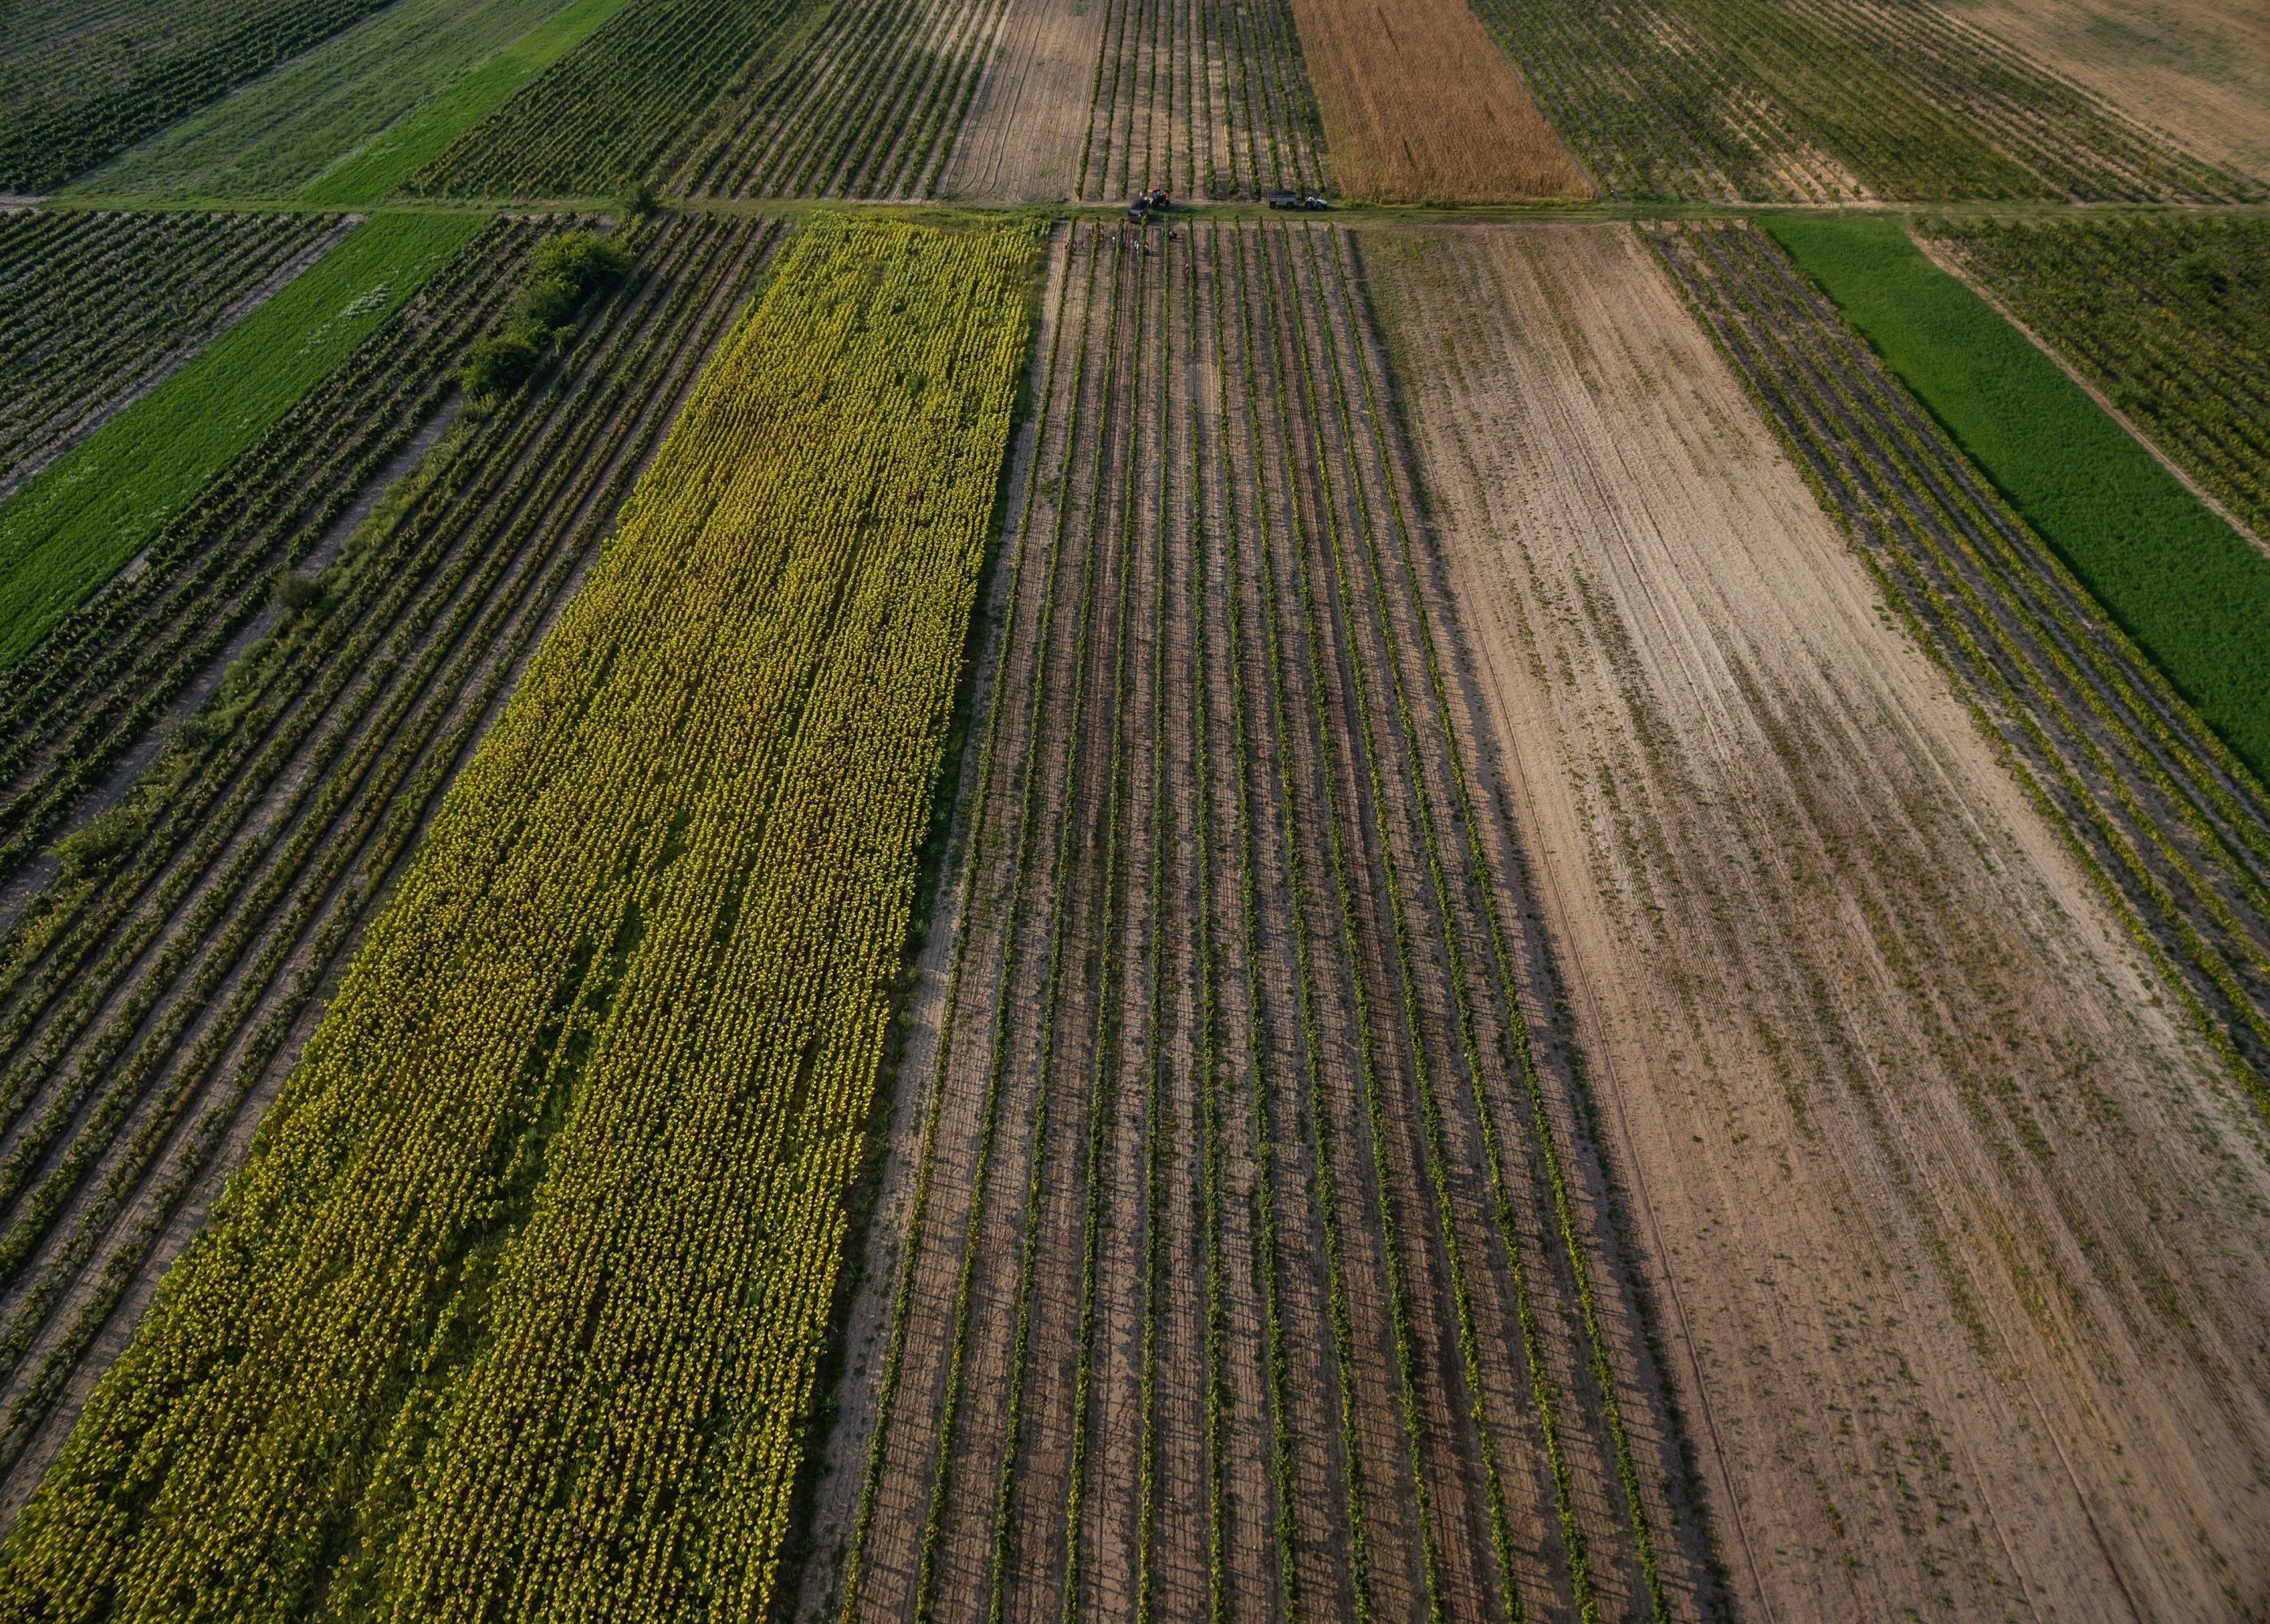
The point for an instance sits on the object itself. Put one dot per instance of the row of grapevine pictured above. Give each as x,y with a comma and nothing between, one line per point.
869,108
2168,314
153,996
2173,830
84,81
1201,1304
1206,98
544,1228
95,307
607,116
1756,100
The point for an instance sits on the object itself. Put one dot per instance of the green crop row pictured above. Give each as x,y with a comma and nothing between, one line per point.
2168,314
2190,589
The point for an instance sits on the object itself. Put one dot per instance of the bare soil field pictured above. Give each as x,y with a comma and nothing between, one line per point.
2198,69
1955,1217
1021,141
1420,105
1243,1253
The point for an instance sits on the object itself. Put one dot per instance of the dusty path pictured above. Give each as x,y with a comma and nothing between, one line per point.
1958,1230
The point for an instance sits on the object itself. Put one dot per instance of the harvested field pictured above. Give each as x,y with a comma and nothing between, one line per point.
1204,98
2198,69
1955,1210
98,309
1420,105
1244,1252
152,997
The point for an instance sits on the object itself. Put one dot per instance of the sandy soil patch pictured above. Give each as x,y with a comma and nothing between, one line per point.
1420,105
1960,1236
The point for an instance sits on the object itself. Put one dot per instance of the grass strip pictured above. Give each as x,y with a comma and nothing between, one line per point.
71,529
2189,589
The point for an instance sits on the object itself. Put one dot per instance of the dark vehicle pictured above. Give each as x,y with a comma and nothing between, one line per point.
1147,202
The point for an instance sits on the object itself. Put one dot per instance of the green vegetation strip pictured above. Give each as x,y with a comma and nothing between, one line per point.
280,136
2177,579
379,167
71,529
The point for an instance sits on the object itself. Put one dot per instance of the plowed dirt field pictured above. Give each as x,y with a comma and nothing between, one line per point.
1958,1231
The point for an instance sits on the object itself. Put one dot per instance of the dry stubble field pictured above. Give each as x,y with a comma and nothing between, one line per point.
1961,1224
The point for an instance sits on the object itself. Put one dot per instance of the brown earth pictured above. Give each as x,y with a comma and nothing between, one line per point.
1958,1230
2198,69
1021,140
1420,105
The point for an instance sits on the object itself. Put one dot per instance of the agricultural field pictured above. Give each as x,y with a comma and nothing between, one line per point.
159,991
2196,66
1421,108
298,128
1134,812
2167,318
510,995
1247,1256
98,308
1916,1123
83,80
1813,101
2193,594
95,509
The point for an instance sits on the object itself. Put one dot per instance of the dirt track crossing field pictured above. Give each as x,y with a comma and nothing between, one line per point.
1227,1276
1957,1218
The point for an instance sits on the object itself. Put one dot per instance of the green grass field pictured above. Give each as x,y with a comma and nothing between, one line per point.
2189,589
348,121
69,530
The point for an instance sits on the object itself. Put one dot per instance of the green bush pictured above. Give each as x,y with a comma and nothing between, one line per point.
566,277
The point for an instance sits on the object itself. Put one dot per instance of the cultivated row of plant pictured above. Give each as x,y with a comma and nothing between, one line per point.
87,514
2172,829
87,692
96,307
869,108
150,992
1194,560
2168,314
83,82
563,1168
1204,97
1760,99
600,120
